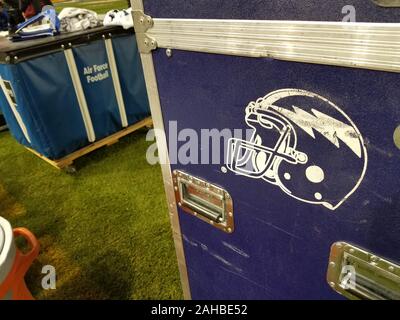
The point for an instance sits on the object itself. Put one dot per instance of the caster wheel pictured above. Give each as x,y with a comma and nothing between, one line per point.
70,169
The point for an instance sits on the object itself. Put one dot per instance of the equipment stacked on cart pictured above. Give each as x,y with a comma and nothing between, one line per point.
44,24
70,94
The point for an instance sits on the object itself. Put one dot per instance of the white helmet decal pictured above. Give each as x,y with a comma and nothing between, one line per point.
326,175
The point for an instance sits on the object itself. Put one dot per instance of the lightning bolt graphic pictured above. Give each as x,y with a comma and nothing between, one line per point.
332,129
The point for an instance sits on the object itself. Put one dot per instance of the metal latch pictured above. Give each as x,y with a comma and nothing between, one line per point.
204,200
361,275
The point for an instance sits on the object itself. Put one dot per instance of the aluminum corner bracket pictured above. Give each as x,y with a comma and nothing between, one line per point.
142,23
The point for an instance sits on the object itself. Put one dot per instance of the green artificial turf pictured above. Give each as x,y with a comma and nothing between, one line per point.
105,229
98,6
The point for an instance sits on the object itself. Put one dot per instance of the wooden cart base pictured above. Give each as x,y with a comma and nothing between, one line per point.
66,163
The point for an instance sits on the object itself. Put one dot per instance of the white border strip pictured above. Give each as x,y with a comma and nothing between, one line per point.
69,56
13,108
116,82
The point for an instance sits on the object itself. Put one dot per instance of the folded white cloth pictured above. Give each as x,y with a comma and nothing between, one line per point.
119,18
77,19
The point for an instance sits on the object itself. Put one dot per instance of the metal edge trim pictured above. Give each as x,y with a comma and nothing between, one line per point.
116,82
155,106
374,46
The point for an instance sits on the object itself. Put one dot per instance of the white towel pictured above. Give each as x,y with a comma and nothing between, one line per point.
77,19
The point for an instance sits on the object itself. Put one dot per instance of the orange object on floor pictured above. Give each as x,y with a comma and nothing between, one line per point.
13,286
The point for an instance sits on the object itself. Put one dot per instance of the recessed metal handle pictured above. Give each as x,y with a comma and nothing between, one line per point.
361,275
204,200
387,3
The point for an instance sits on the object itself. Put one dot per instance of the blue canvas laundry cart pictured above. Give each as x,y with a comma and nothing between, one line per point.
297,106
61,94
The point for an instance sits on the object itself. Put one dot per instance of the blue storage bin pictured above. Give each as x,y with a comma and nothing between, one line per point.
62,93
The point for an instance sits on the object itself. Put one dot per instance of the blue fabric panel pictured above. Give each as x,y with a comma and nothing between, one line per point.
131,78
94,70
49,97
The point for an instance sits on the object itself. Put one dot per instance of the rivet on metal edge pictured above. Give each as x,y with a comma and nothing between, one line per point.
62,46
230,214
352,251
168,52
104,36
15,58
374,258
332,284
229,230
176,188
211,222
391,269
332,264
179,204
224,170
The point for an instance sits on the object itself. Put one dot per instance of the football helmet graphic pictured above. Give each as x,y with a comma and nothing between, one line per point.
303,144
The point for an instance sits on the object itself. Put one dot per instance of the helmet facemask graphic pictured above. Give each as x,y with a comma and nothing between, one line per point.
262,154
273,154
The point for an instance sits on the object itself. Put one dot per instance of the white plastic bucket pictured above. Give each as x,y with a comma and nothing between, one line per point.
7,252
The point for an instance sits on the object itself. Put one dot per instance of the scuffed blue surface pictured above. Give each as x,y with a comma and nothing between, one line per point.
311,10
286,242
280,246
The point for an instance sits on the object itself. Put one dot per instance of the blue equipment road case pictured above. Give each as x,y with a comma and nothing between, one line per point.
60,94
305,204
